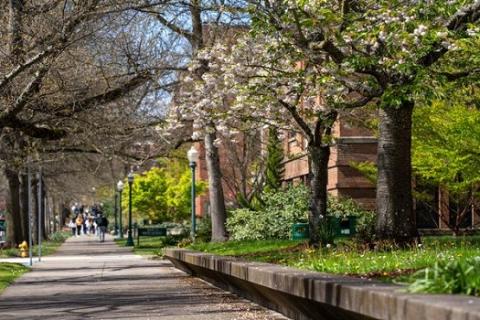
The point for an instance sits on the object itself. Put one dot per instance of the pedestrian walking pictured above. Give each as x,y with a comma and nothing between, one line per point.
102,224
73,226
79,223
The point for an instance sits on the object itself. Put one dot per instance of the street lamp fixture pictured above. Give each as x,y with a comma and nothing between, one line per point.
129,235
120,189
192,156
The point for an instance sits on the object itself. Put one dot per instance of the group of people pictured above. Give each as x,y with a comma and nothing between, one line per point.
88,222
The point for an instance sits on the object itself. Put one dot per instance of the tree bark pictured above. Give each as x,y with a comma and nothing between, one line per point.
14,219
215,190
15,30
319,156
395,215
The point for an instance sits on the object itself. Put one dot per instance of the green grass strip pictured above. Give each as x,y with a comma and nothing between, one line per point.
9,272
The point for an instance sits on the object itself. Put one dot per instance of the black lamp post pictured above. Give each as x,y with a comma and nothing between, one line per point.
192,155
120,189
115,232
129,236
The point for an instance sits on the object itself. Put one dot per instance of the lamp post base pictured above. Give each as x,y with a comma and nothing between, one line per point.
129,240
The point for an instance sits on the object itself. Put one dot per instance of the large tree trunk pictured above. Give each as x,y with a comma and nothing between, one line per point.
215,189
319,156
15,30
14,219
395,214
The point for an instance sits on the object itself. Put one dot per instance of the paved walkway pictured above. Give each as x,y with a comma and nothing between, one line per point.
86,279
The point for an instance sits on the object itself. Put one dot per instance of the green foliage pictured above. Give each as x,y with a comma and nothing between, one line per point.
460,276
326,232
286,207
274,168
365,224
445,150
349,258
153,246
162,193
367,168
365,228
344,207
445,144
48,247
274,221
9,272
204,229
245,247
59,236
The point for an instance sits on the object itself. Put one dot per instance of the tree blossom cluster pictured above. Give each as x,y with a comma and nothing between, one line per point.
321,55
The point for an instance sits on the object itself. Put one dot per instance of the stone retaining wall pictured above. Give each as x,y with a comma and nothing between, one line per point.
310,295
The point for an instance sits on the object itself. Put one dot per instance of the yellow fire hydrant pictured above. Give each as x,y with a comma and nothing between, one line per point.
23,249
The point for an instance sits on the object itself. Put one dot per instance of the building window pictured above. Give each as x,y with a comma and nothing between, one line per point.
292,141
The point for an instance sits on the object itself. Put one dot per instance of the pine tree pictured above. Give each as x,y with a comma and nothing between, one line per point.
274,167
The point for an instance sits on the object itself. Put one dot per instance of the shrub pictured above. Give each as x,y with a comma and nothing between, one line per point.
285,207
365,228
344,207
450,276
247,224
274,221
204,229
59,236
326,232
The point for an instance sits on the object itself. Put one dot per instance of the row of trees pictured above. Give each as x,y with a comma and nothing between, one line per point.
91,77
305,62
74,78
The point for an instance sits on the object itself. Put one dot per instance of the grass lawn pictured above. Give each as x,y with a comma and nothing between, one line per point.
48,247
348,259
149,246
261,249
9,272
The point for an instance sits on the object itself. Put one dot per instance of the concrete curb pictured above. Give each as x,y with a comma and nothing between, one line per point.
311,295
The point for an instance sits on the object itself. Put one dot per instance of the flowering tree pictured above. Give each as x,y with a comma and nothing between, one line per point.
248,86
385,52
195,22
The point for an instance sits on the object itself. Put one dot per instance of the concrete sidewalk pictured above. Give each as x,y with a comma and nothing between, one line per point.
86,279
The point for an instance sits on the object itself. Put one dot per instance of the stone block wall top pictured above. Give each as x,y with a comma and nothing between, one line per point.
367,298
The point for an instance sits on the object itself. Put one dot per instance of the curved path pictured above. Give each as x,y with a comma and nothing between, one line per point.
86,279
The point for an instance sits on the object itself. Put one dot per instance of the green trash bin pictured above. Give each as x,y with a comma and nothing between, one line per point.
300,231
347,226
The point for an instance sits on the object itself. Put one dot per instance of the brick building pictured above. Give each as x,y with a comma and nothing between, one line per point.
352,144
236,159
